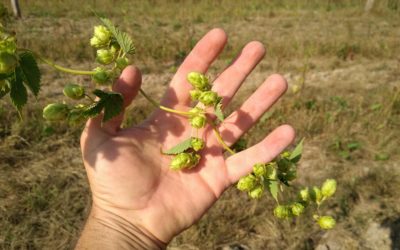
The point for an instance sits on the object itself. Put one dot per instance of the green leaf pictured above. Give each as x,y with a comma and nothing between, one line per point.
218,111
113,106
18,93
30,71
93,109
272,186
122,38
181,147
5,89
111,102
296,153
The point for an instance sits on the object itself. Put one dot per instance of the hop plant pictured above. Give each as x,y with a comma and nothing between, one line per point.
8,62
19,70
328,188
55,112
74,91
101,37
198,81
184,160
326,222
105,56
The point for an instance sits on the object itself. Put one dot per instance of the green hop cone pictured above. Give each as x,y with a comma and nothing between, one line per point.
55,112
8,62
247,183
101,76
195,94
316,195
104,56
197,144
326,222
184,160
122,62
282,212
304,195
256,192
8,45
198,121
271,172
259,169
297,208
328,188
209,98
101,37
74,91
76,117
285,155
198,81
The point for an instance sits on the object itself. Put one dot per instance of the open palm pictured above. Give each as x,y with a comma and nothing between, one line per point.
130,177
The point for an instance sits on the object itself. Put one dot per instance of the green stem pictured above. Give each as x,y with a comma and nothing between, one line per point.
58,67
219,138
157,105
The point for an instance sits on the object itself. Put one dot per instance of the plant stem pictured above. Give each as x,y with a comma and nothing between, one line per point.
157,105
219,138
58,67
65,70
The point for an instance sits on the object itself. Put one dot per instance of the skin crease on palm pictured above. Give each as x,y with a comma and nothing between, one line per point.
130,177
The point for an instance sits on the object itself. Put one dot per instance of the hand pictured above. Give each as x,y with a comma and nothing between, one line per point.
130,178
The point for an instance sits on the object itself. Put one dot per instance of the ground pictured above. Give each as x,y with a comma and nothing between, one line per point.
343,69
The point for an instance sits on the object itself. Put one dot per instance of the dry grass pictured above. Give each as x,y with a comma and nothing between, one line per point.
346,61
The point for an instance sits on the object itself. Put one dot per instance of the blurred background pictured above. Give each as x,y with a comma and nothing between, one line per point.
341,60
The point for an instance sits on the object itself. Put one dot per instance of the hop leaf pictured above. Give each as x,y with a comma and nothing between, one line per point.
18,93
179,148
122,38
111,103
296,153
30,72
218,112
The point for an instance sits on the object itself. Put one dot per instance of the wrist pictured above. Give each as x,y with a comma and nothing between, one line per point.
107,230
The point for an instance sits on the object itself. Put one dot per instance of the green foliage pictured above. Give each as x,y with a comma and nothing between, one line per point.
110,102
180,147
122,38
18,93
30,71
218,112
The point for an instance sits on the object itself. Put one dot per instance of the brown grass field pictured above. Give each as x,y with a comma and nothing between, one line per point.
345,61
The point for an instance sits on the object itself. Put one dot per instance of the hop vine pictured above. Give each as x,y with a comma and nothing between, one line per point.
19,72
